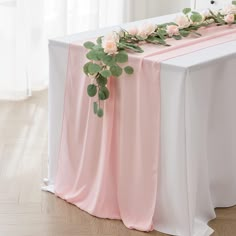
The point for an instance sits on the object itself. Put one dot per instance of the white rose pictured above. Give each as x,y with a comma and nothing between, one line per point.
145,30
182,21
205,14
229,9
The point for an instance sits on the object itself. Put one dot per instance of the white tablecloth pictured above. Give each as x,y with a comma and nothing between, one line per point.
198,132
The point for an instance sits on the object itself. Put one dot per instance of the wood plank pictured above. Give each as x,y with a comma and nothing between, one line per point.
27,211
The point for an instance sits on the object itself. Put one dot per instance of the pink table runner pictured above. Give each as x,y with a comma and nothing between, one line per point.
108,167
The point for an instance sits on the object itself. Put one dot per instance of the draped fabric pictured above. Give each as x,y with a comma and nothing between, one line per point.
109,167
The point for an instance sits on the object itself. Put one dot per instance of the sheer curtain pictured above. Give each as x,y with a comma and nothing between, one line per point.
26,25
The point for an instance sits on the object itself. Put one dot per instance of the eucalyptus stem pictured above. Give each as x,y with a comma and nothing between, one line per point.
107,55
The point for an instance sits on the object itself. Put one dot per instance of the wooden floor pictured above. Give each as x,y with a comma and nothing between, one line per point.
25,210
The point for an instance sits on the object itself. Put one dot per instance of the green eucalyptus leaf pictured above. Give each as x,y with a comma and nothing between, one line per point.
103,93
100,112
136,48
92,90
99,40
121,57
193,27
140,38
129,70
116,70
85,68
95,107
101,81
196,17
164,25
108,60
156,40
94,68
184,33
101,54
151,38
92,55
105,73
132,47
186,10
161,33
234,2
97,47
177,37
89,45
220,20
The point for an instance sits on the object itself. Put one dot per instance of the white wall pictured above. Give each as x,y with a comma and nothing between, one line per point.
201,4
163,7
142,9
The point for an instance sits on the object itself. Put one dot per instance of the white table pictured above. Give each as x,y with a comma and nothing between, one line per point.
198,132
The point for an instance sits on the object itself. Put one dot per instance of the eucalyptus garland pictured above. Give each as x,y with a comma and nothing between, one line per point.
109,52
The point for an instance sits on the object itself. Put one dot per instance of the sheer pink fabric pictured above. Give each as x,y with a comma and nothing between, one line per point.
108,166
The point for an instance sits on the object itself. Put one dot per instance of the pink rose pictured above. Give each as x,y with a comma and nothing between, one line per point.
133,31
109,43
182,21
229,19
109,46
172,30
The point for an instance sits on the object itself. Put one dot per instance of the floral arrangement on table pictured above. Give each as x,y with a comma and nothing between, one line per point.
109,52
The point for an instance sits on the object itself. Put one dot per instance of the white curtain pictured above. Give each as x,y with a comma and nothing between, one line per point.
26,25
